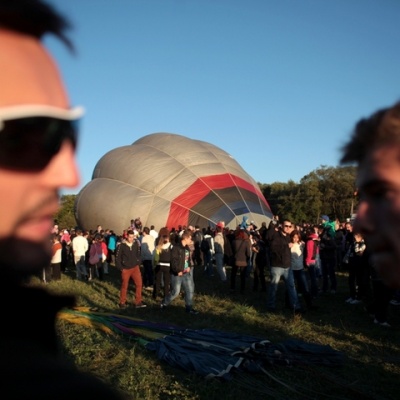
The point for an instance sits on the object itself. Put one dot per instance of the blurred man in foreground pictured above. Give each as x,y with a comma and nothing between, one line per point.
375,147
38,135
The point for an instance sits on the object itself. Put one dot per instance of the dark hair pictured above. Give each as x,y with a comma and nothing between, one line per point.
186,235
382,127
295,232
34,18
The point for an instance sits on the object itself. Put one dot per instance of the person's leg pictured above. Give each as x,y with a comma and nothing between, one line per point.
79,273
219,262
209,263
100,270
137,279
125,276
382,295
56,271
243,276
176,283
263,282
291,289
325,274
188,286
276,273
313,280
352,280
105,267
332,274
166,275
157,284
303,283
233,276
256,277
150,273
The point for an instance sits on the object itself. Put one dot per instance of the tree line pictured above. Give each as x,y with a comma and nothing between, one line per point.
326,190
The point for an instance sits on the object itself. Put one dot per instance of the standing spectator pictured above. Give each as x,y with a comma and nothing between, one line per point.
357,263
181,273
297,265
111,246
327,253
241,253
96,258
207,248
311,251
197,239
348,240
219,253
339,239
55,266
47,273
128,261
260,251
147,251
80,246
162,263
263,231
279,243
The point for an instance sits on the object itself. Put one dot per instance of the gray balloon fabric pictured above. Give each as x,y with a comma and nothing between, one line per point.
169,180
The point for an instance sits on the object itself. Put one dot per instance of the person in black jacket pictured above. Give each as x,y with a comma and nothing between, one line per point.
327,253
128,260
279,243
181,273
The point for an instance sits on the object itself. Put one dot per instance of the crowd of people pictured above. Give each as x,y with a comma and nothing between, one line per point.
306,256
39,133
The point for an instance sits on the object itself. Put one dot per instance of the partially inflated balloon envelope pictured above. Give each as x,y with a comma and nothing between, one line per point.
169,180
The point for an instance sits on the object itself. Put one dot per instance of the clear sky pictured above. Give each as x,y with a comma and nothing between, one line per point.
278,84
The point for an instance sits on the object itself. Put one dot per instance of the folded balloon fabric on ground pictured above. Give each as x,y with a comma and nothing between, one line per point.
208,352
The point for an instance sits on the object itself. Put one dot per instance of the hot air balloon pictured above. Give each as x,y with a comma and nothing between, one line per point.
169,180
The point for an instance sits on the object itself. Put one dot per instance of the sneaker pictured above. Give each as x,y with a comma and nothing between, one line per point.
385,323
163,306
149,288
349,300
192,311
395,302
141,305
122,306
355,301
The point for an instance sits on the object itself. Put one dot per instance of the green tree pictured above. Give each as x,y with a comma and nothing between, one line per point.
66,214
326,190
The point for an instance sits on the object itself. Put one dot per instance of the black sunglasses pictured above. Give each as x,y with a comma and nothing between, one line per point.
28,144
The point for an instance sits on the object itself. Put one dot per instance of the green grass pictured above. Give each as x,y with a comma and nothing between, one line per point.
371,369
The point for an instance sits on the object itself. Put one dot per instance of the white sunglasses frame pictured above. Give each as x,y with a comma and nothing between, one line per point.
39,110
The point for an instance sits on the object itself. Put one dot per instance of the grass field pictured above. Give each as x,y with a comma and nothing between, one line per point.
372,353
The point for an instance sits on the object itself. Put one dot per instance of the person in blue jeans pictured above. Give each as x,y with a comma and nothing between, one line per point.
181,273
278,238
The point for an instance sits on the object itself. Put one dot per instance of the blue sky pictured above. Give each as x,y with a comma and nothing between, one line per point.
277,84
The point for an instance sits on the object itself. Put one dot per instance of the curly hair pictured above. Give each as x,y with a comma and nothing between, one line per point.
381,128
